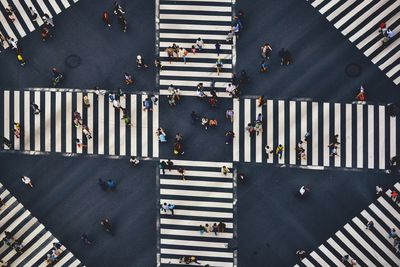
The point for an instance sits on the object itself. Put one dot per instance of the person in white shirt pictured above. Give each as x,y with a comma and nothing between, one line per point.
27,181
199,44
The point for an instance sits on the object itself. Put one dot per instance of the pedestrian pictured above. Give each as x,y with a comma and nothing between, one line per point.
140,62
215,228
370,225
10,13
221,227
27,181
301,254
229,37
106,18
35,108
379,190
182,53
200,92
268,151
199,44
163,165
360,97
154,99
20,59
177,150
208,228
102,184
47,20
128,78
118,9
213,93
17,129
202,229
229,135
122,22
334,140
212,101
34,14
85,239
79,143
162,136
1,203
263,66
87,132
286,57
218,48
126,118
86,101
303,190
307,136
334,152
178,137
134,161
111,184
148,104
392,233
266,50
13,43
6,142
225,170
279,151
218,65
194,117
394,195
181,171
204,122
170,164
2,40
107,225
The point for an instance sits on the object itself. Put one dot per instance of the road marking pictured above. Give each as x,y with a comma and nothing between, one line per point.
17,141
134,125
382,137
246,134
144,129
348,136
101,131
37,122
47,125
68,124
360,132
292,132
270,128
314,135
326,134
27,123
338,131
58,110
236,129
281,129
371,137
79,103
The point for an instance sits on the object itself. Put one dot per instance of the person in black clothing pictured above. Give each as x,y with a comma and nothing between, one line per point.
286,57
107,225
163,165
102,184
170,165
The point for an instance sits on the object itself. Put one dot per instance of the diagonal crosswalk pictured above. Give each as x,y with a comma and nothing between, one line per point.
23,22
359,21
37,242
368,137
206,196
53,130
182,23
368,247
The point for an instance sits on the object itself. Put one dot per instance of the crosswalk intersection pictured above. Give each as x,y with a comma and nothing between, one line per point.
359,22
182,23
368,137
23,23
371,247
36,240
206,196
53,129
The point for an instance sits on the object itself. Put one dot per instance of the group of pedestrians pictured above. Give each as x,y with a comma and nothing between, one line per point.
119,12
214,228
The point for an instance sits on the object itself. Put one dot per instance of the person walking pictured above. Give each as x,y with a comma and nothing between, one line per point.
218,48
181,171
140,62
194,117
128,78
35,108
86,101
170,164
225,170
27,181
107,225
182,53
199,44
79,143
102,184
370,225
134,161
106,18
279,151
163,165
20,59
47,20
33,12
229,114
122,22
85,239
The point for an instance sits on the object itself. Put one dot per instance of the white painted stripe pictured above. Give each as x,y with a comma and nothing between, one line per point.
194,223
17,141
388,62
382,137
66,5
307,263
203,214
9,203
207,174
111,129
195,17
326,134
389,208
214,1
329,254
39,20
198,163
24,16
192,36
213,204
360,135
352,13
236,129
7,117
336,247
392,144
385,51
180,242
79,104
196,183
270,128
64,259
16,22
363,17
134,126
55,6
303,126
318,259
27,121
39,254
11,214
47,125
337,131
197,8
155,127
57,129
377,45
76,263
376,241
5,45
383,217
90,123
196,252
365,245
292,134
281,129
190,84
340,9
68,123
382,230
192,233
192,193
328,6
317,3
43,7
100,134
194,93
6,27
210,263
37,122
375,21
348,136
223,57
371,137
397,80
355,250
31,249
194,27
246,135
259,148
181,64
314,134
144,129
122,129
395,69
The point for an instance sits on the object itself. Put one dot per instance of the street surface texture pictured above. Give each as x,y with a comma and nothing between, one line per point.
336,48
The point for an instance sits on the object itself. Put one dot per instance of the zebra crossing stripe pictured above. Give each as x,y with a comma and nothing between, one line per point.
37,122
6,115
326,134
100,130
210,263
292,133
204,253
58,114
329,254
16,22
246,135
196,8
371,137
314,134
270,128
155,127
90,119
68,124
16,117
354,249
360,134
236,129
201,164
349,136
144,129
47,128
281,129
134,125
338,131
382,159
191,222
207,244
111,124
318,259
122,129
223,205
195,18
24,16
195,183
307,263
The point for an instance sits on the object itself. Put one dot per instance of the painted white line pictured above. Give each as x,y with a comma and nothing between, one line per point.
382,137
197,163
328,6
236,129
189,182
39,20
204,65
202,214
360,135
223,57
210,263
192,193
196,252
395,69
194,93
348,136
307,263
330,256
6,27
101,131
338,131
47,125
66,5
7,116
314,134
209,204
317,3
389,223
192,36
197,8
37,122
389,208
144,129
352,13
155,127
246,135
55,6
353,248
191,222
371,137
16,22
270,128
195,17
90,122
192,233
326,134
292,134
111,129
134,126
388,62
208,174
340,9
27,121
79,108
23,14
68,122
385,51
336,247
259,148
206,84
281,129
122,129
17,141
180,242
194,27
392,144
58,110
318,259
44,8
303,126
214,1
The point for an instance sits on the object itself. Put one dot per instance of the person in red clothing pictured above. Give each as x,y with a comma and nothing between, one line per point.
361,95
106,18
394,195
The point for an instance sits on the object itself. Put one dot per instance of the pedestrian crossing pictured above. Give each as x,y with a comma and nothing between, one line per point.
183,22
23,20
37,242
369,247
53,130
368,136
206,196
359,21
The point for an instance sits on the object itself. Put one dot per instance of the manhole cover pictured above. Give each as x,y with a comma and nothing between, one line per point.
353,70
73,61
